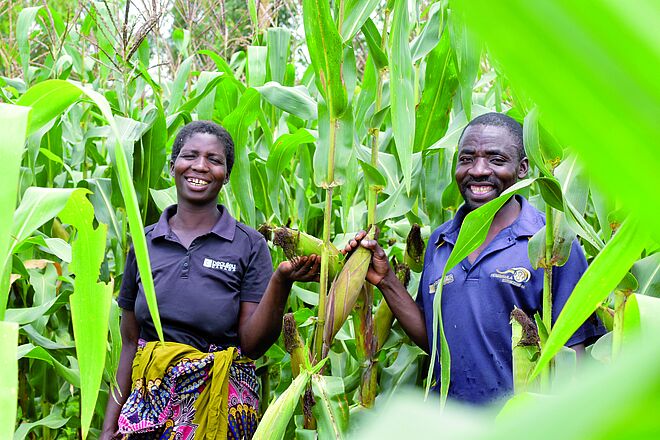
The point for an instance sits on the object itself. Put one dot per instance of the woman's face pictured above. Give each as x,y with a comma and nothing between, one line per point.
200,170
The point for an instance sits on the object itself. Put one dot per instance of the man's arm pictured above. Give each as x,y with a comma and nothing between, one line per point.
381,275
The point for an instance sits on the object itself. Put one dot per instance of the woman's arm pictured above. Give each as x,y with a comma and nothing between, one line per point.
130,332
259,324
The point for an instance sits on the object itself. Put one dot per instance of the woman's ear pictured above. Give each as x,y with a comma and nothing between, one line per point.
172,168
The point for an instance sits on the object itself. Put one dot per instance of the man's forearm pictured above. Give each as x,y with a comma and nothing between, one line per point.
404,309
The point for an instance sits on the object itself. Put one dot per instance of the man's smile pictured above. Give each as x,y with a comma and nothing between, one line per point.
480,189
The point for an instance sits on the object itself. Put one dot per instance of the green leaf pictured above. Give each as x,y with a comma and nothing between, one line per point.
432,116
13,124
237,124
295,100
430,35
26,19
402,94
279,159
473,232
647,272
71,375
357,14
343,147
132,210
163,197
374,177
8,378
602,276
52,421
179,84
331,408
256,61
326,52
48,100
531,141
597,72
277,42
402,372
276,418
456,127
468,53
374,40
90,302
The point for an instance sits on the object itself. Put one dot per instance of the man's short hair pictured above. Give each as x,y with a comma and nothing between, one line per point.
208,127
495,119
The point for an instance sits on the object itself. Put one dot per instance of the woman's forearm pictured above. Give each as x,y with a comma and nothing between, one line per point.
262,328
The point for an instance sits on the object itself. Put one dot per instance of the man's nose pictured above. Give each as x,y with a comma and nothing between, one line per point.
480,168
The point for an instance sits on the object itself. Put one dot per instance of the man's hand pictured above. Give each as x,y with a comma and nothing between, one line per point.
303,269
379,266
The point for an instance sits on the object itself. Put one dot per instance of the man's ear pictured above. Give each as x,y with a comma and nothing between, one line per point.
523,167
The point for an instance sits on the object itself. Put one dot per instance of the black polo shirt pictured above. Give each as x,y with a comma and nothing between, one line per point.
199,289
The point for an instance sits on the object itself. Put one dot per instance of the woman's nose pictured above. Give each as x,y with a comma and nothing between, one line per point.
200,164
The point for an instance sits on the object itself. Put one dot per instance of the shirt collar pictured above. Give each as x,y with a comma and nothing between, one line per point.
225,226
529,221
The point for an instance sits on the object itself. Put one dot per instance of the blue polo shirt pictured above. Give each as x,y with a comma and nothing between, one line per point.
477,300
199,289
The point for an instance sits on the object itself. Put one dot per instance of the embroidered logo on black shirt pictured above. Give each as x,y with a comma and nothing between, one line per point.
222,265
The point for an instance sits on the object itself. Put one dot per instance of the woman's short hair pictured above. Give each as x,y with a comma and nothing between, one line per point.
209,127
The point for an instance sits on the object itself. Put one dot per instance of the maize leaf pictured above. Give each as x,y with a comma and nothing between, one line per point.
526,349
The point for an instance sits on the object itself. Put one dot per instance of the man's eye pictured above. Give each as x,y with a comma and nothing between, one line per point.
498,161
465,159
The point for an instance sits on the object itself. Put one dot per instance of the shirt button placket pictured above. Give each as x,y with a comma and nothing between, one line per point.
186,266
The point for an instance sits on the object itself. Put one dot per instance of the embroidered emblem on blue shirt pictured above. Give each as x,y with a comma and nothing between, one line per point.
516,276
222,265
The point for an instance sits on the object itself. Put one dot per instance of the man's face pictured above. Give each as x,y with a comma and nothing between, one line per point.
487,164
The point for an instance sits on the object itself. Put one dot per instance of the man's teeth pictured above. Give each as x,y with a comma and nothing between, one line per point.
197,182
480,189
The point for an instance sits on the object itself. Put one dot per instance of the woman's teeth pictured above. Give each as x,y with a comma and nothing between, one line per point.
197,182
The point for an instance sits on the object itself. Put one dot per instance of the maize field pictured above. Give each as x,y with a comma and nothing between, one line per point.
345,114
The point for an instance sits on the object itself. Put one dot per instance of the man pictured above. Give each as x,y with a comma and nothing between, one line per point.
480,292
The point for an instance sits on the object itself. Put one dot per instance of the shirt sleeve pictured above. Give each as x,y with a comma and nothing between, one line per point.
258,273
564,279
129,287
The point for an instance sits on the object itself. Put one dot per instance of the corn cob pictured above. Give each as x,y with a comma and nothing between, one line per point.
344,293
294,344
276,419
525,346
384,318
297,244
414,255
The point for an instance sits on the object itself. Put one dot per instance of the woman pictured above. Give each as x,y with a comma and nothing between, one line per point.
218,305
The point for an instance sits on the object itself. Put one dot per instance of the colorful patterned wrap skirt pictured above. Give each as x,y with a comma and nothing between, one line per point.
179,392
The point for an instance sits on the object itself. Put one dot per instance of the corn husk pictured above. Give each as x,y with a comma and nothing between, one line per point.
297,244
525,346
344,293
384,318
414,254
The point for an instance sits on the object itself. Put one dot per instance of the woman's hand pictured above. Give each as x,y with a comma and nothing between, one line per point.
303,269
379,267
